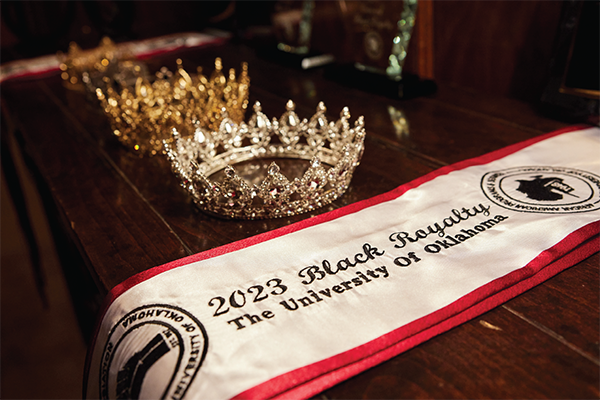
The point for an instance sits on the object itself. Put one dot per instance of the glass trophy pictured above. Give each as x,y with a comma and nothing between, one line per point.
374,48
292,25
381,32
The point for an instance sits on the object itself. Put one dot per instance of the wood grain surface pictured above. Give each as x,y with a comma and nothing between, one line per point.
123,214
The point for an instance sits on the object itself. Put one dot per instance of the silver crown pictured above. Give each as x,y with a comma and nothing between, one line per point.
257,187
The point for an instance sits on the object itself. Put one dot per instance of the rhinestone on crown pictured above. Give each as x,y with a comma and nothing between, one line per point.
142,116
207,163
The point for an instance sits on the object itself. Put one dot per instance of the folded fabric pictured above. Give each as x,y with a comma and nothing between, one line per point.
294,311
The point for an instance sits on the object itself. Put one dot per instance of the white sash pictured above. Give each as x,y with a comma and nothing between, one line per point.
294,311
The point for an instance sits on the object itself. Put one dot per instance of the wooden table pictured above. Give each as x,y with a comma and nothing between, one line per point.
114,214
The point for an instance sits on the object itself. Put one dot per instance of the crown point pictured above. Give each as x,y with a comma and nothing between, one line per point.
360,122
321,107
315,162
73,47
345,113
199,136
290,106
229,171
224,113
218,64
273,168
105,41
257,108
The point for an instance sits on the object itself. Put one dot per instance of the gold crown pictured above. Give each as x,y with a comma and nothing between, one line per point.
143,116
99,60
90,69
257,187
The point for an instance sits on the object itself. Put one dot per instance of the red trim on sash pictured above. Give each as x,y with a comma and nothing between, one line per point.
334,214
314,378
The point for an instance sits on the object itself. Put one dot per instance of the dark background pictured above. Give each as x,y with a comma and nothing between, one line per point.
499,47
502,48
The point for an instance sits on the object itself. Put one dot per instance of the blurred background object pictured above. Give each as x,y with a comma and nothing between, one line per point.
374,44
364,32
573,89
538,51
292,24
496,47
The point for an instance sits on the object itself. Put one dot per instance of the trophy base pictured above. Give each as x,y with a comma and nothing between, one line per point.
410,86
296,60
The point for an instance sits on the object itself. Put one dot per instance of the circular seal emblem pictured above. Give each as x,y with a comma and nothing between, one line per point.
153,351
540,189
373,45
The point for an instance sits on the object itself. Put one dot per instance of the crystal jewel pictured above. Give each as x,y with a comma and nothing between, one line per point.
208,163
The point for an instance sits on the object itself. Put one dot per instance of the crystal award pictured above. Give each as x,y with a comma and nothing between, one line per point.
381,32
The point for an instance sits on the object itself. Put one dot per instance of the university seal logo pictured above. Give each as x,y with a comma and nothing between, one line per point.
153,351
540,189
